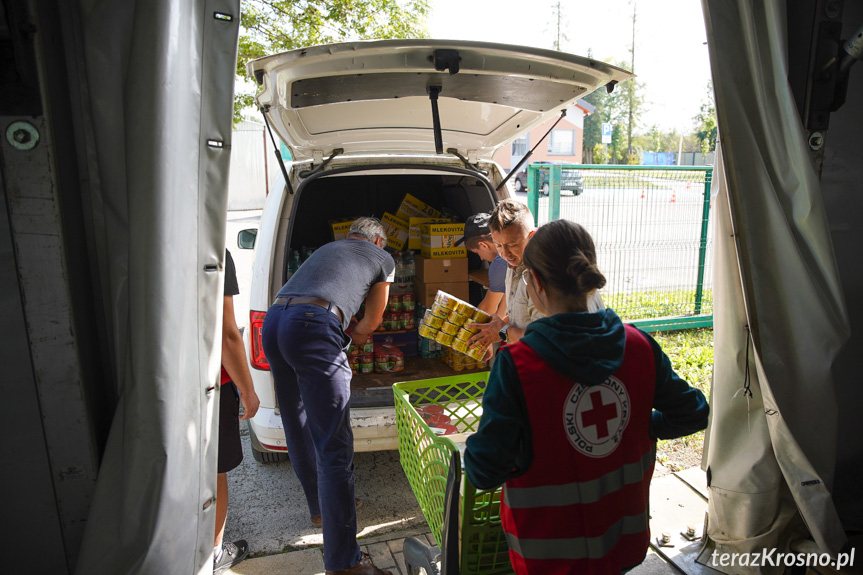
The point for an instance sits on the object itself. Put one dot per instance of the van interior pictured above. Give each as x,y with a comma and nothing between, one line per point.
344,194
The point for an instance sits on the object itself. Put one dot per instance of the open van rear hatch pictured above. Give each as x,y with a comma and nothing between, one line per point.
377,97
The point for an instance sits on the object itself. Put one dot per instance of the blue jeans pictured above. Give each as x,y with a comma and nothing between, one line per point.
305,346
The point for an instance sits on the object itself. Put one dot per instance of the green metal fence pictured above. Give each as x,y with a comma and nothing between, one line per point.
651,225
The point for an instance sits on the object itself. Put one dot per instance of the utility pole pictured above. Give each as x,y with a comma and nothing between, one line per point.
631,89
558,24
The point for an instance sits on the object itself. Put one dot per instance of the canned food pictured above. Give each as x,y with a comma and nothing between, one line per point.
465,334
460,345
480,316
439,310
449,328
408,302
427,331
457,318
446,300
382,366
369,347
394,303
367,363
477,352
464,308
407,320
444,338
432,320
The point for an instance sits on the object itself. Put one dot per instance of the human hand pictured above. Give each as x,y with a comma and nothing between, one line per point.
488,332
251,403
358,337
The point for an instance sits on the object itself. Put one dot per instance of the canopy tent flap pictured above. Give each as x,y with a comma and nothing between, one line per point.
779,301
156,91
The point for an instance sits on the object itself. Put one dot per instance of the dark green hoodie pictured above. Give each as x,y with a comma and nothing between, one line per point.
584,347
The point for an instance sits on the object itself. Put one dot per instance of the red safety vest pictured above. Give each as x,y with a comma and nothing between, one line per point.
582,506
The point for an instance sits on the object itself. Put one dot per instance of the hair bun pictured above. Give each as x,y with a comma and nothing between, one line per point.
583,273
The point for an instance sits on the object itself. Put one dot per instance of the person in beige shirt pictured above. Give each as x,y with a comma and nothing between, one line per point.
511,226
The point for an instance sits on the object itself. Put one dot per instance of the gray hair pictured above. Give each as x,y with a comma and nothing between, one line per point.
369,228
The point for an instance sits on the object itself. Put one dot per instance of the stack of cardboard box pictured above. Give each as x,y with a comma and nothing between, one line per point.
444,274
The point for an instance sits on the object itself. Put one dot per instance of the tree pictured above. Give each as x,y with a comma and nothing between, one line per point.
273,26
705,123
622,108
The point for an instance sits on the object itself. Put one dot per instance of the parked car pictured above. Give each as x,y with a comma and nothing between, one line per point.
359,124
571,180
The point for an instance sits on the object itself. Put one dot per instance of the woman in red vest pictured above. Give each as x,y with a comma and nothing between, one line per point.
570,420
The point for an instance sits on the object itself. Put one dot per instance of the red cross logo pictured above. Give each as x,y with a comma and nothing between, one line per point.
599,415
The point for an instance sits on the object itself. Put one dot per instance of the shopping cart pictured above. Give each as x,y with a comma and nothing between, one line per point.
465,521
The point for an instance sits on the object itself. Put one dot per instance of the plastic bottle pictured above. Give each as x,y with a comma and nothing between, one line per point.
400,268
410,265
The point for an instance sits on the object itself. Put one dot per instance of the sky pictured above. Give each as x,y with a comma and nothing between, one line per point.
671,57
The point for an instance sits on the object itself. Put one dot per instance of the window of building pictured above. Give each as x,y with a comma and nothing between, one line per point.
519,146
561,142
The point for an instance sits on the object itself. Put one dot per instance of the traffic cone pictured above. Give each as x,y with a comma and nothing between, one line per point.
642,192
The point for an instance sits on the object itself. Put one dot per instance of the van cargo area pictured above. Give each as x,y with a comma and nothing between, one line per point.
343,194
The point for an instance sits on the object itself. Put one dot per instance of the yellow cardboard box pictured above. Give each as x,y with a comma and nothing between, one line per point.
415,234
341,229
412,207
397,231
438,241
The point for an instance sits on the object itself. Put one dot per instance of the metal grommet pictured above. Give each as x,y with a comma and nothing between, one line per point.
22,135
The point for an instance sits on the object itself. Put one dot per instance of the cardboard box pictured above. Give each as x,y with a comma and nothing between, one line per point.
442,270
341,229
415,234
438,241
425,292
412,207
397,231
406,341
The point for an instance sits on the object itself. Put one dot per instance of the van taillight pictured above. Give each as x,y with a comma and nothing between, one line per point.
256,322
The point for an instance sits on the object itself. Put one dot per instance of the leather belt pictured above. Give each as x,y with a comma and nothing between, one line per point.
290,300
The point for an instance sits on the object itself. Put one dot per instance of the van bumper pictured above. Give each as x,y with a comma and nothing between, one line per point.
374,430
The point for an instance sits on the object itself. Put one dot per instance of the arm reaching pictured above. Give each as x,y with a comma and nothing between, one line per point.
678,408
376,303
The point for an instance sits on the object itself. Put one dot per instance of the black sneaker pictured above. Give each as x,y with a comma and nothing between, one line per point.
232,553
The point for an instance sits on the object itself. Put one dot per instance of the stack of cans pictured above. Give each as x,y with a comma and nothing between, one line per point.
446,320
361,359
460,361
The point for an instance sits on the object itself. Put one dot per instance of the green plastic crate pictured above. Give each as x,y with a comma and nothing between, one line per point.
425,458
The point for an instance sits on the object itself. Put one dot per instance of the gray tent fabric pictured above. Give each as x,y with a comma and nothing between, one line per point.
778,301
155,92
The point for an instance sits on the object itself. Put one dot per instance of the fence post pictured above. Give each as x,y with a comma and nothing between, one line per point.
533,192
702,248
554,179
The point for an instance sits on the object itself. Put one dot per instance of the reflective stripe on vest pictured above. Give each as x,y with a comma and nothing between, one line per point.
578,547
579,491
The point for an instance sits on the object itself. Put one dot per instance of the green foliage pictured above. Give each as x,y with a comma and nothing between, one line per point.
613,108
273,26
647,304
706,128
691,355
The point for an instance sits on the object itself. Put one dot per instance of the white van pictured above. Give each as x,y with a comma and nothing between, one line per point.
368,122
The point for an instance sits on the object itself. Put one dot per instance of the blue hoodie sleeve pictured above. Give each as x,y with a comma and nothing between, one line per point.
501,447
678,408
